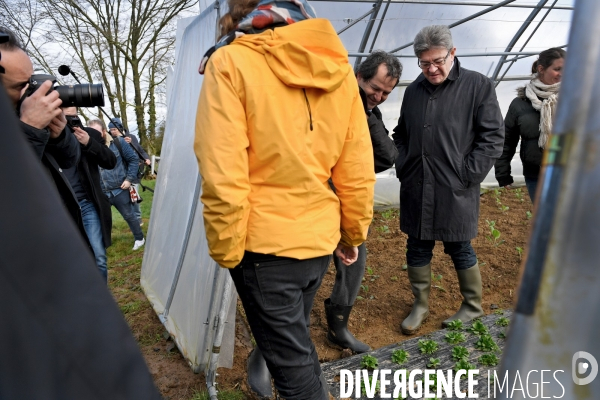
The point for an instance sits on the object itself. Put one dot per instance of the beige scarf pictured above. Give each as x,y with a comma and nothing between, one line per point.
535,90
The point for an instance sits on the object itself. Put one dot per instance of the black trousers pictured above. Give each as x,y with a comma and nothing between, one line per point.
277,294
420,253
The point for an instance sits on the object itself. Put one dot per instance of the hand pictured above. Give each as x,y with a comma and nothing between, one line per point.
148,162
347,254
81,135
508,187
125,185
57,125
127,139
40,108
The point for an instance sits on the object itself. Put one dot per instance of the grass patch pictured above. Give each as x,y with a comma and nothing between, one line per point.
221,395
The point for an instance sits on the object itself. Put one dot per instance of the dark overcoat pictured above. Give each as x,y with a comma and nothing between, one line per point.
448,138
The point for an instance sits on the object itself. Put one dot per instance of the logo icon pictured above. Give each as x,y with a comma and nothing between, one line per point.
582,363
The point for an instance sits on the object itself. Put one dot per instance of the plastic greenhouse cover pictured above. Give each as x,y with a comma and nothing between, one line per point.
177,270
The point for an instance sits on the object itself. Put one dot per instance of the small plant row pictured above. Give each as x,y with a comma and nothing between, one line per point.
459,354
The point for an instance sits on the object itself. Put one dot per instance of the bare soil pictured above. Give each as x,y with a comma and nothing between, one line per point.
385,300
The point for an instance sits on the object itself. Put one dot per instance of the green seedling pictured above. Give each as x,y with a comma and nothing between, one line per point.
433,363
478,328
499,312
428,346
383,229
369,362
463,365
502,321
519,251
456,325
486,343
388,214
365,288
494,234
460,353
519,194
404,267
394,278
528,214
502,335
503,208
400,356
369,271
497,192
363,388
455,337
489,360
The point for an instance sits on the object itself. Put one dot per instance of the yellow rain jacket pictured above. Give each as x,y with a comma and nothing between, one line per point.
279,114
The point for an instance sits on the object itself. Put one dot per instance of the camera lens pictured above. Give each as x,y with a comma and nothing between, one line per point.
86,95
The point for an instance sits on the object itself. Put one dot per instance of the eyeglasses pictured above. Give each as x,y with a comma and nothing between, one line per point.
437,63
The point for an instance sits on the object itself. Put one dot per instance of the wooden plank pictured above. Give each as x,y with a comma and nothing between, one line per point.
417,360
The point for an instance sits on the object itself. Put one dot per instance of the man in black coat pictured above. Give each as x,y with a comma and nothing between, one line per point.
85,181
449,134
377,76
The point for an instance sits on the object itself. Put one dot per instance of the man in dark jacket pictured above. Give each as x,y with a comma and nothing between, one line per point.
42,121
117,129
377,76
117,181
85,181
449,134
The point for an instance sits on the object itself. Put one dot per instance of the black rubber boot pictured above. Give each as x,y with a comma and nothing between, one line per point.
259,377
337,328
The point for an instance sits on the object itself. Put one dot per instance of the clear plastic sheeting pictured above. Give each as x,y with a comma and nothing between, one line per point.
182,282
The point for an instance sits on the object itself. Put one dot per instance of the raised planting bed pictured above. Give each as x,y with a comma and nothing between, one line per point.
475,345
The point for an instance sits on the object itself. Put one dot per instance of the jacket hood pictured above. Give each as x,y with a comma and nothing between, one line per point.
306,54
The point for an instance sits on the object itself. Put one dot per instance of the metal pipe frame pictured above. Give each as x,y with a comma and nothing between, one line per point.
528,39
518,35
462,21
356,21
505,79
492,54
448,3
387,5
367,33
529,55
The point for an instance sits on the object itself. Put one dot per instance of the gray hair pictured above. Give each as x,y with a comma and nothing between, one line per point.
368,68
433,36
97,122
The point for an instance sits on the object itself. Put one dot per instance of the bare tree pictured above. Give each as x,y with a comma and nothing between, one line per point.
126,44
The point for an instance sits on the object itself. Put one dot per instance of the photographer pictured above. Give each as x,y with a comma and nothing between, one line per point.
41,119
85,181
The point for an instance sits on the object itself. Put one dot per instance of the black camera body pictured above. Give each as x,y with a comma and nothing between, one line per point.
84,95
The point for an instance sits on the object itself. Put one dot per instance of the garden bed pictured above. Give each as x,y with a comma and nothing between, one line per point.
472,346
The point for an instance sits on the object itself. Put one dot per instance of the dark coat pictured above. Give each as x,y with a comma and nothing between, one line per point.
384,150
64,336
522,122
56,154
448,137
96,154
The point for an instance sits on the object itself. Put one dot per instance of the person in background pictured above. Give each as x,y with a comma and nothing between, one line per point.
85,182
377,76
279,115
449,134
116,181
115,127
529,119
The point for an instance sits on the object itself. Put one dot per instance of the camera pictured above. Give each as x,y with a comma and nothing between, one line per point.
73,121
84,95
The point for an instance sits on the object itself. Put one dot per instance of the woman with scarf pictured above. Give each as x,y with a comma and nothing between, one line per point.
529,119
279,114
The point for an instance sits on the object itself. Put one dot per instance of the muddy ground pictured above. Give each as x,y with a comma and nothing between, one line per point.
385,299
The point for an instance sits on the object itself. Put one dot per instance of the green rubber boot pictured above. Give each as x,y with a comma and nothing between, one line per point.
420,280
469,281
